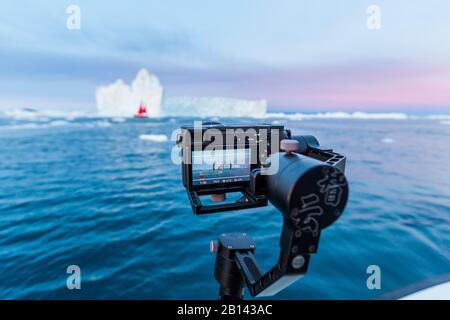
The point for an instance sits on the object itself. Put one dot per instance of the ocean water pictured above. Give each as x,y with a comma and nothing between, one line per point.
103,194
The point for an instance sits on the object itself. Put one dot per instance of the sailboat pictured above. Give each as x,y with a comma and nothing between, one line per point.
142,112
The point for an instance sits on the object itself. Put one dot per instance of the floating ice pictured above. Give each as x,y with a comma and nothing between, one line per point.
23,114
38,125
388,140
214,107
103,124
438,117
121,100
22,126
59,123
187,108
154,137
29,114
119,119
339,115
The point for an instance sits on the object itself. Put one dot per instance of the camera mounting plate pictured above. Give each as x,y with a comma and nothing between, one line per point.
247,201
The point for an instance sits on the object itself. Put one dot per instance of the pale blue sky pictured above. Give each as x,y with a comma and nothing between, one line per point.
300,55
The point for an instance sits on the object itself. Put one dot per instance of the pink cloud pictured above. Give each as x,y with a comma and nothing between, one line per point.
362,86
382,85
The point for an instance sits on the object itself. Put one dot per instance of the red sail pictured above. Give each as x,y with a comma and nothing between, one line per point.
142,110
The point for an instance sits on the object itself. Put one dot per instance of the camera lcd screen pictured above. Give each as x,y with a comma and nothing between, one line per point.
220,166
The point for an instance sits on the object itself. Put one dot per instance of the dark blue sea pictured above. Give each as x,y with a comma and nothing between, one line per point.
104,194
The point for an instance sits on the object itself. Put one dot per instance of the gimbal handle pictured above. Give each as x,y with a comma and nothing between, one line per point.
292,263
236,265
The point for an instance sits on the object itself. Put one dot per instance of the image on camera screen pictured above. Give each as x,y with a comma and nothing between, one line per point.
220,166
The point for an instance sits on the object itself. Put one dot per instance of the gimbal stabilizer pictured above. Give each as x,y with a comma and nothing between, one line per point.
306,183
311,195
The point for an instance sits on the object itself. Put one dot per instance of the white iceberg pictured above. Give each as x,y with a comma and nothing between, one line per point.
214,107
388,140
154,137
121,100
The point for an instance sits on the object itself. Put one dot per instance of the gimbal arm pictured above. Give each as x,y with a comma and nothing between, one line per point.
292,264
311,196
236,264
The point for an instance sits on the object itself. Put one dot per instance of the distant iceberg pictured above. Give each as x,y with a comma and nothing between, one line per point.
154,137
341,115
30,114
121,100
214,107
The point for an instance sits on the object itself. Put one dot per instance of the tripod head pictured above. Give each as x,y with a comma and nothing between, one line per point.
306,183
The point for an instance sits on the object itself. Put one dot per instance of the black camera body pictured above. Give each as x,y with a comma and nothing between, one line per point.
260,144
236,139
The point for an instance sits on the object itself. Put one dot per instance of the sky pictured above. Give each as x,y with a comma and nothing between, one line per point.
299,55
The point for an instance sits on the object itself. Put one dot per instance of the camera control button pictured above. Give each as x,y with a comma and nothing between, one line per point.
298,262
289,145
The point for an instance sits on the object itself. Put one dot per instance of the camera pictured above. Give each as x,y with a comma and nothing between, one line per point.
219,160
264,163
248,159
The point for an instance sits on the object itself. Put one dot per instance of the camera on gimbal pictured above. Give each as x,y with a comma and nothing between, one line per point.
265,163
